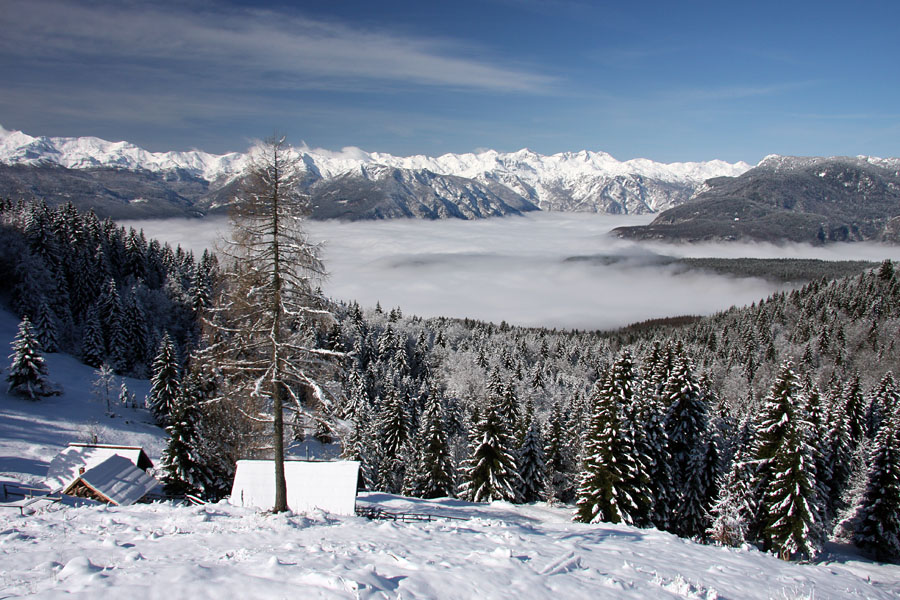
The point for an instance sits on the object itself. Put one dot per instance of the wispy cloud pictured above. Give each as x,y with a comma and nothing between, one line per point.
548,6
733,92
241,47
861,116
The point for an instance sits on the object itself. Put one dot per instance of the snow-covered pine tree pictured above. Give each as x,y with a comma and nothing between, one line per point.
82,283
886,270
27,372
536,380
181,462
883,401
816,430
135,261
734,507
788,517
844,522
660,364
687,427
216,443
626,386
92,350
509,410
653,441
46,327
558,457
838,452
165,382
770,435
360,444
792,523
604,494
393,433
137,332
855,407
413,471
201,286
530,461
356,394
490,471
878,513
435,466
109,306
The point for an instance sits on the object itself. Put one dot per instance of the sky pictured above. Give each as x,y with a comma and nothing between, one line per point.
662,80
516,270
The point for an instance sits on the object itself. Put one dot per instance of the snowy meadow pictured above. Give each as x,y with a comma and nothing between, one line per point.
489,551
518,269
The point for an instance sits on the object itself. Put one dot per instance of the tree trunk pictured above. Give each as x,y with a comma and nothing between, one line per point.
277,408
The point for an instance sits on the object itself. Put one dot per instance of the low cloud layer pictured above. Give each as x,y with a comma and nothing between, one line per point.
515,269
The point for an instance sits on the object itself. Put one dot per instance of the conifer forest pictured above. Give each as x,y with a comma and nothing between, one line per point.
776,424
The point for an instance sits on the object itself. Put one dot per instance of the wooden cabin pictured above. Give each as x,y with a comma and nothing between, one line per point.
116,481
74,459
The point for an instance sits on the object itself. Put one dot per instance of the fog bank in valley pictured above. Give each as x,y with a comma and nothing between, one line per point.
515,268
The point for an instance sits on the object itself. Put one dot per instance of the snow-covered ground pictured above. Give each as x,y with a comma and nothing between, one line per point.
32,433
497,551
219,551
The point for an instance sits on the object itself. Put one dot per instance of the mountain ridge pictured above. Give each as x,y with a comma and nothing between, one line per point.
789,199
512,182
17,147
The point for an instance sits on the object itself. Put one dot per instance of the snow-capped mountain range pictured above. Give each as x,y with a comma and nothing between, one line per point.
456,185
18,148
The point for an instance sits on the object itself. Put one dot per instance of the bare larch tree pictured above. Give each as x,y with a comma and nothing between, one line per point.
263,326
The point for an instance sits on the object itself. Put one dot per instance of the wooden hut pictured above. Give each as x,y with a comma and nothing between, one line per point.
74,459
116,480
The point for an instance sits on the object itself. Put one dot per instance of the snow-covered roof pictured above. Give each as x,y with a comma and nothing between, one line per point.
115,480
326,485
67,465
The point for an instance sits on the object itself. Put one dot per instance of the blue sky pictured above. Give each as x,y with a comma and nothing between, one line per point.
668,81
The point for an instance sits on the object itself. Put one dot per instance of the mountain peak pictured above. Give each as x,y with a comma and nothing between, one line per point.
584,180
90,152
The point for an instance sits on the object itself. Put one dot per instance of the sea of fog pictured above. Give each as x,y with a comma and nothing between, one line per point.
515,268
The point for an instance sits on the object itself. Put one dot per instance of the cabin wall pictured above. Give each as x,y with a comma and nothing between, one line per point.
328,486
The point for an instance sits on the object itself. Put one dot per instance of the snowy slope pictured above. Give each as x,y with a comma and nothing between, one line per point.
486,551
496,551
32,433
569,181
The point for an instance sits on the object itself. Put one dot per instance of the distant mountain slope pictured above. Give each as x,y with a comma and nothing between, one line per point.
351,184
796,199
115,193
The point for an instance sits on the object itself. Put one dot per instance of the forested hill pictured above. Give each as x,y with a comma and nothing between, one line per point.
832,342
703,419
96,290
789,199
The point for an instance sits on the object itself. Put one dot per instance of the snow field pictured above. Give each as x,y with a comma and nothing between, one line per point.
499,551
